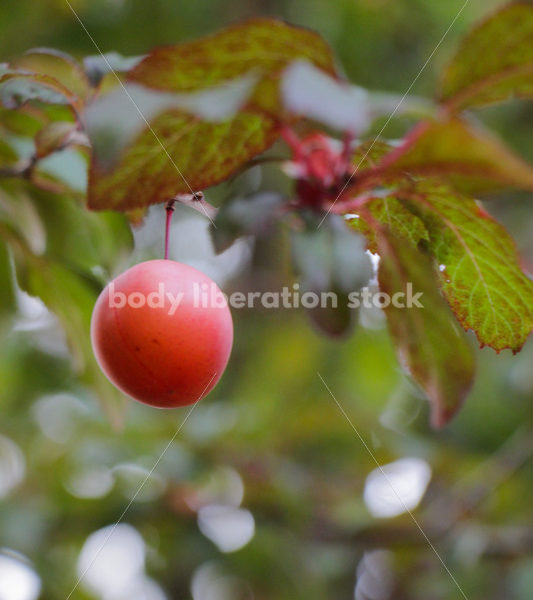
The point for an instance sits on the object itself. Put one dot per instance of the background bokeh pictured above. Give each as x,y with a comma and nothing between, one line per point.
267,492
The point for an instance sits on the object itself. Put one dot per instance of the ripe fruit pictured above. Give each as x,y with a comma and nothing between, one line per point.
162,333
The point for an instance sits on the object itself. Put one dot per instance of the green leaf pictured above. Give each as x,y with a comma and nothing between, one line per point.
8,156
388,211
471,158
59,251
21,122
60,228
60,66
479,267
72,300
81,240
368,154
202,153
430,345
17,211
8,300
494,62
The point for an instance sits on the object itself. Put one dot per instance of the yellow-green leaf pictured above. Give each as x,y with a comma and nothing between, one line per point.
470,157
57,65
494,62
388,211
479,267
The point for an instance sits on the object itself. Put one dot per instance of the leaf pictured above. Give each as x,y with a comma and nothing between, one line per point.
18,212
58,227
59,249
368,154
201,154
19,87
56,135
83,241
136,216
8,301
471,158
72,299
263,45
479,267
60,66
334,321
390,212
244,216
331,263
8,156
64,171
330,257
21,122
204,152
430,346
495,61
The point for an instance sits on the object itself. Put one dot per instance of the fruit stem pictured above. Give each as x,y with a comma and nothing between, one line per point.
170,211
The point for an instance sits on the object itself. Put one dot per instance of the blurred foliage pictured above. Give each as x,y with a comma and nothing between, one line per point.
270,439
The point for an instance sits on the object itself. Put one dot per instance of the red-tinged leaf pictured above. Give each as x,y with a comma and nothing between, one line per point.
469,157
390,212
19,87
368,154
202,154
430,344
495,61
136,216
204,149
479,267
58,65
56,136
261,45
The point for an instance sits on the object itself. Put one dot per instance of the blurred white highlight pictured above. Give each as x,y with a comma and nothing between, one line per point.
18,581
374,576
396,488
229,528
12,466
309,92
112,565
